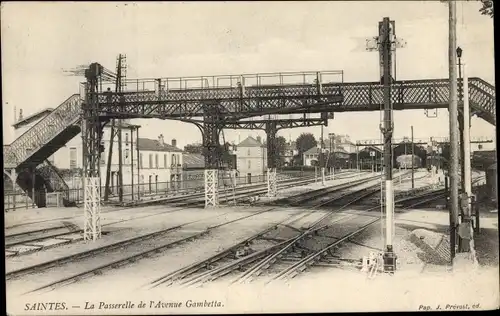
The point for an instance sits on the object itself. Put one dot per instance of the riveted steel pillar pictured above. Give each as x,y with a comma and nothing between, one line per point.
272,159
211,129
386,28
91,135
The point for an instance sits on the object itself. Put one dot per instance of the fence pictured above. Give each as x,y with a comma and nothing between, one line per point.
17,200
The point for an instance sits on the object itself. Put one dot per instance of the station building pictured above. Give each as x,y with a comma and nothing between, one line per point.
251,159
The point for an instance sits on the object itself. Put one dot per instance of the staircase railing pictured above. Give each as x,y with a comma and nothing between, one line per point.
56,181
42,132
482,96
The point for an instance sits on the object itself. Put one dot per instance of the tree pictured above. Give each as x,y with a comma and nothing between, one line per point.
280,145
305,142
487,8
194,149
280,150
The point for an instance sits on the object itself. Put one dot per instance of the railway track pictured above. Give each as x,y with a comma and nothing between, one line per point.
233,259
303,198
137,249
60,235
32,241
242,193
227,262
82,265
431,196
286,255
145,204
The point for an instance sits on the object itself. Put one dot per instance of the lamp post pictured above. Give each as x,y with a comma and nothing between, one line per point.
453,114
461,117
461,135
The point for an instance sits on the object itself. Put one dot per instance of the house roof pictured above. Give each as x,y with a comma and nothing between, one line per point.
340,150
33,117
312,151
193,160
250,142
124,125
316,150
154,145
368,148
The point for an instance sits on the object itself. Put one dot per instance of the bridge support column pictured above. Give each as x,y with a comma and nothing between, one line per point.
272,159
92,148
211,130
211,188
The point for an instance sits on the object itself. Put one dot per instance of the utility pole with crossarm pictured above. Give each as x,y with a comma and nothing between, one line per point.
386,43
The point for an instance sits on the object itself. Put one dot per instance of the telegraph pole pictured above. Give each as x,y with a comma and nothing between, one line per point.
453,123
412,157
386,35
322,159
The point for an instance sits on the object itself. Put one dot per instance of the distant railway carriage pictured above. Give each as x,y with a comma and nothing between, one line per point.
404,162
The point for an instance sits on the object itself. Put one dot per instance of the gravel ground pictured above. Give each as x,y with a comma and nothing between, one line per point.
408,289
132,277
124,231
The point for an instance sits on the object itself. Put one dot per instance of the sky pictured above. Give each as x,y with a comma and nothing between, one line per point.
39,40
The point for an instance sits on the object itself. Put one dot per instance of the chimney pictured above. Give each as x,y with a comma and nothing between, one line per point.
161,140
174,142
259,139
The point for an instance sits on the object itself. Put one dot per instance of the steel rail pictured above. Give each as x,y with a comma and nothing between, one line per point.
195,267
42,238
312,258
122,261
184,272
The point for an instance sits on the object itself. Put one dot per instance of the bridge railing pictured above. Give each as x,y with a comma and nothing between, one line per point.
230,81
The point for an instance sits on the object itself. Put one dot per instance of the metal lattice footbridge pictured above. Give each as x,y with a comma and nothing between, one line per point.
234,103
219,102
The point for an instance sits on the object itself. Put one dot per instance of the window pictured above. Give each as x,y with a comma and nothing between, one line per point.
72,158
165,161
156,161
248,152
126,139
126,155
151,161
249,164
178,159
141,161
173,160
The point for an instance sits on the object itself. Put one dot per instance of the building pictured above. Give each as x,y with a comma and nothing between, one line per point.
341,157
290,152
311,157
340,141
251,157
492,182
159,162
193,170
22,124
370,157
